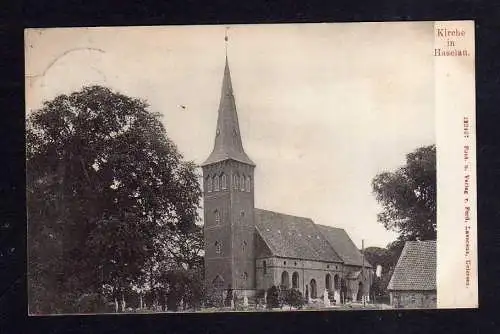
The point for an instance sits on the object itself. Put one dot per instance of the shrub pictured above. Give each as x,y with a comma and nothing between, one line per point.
295,298
331,296
273,297
283,295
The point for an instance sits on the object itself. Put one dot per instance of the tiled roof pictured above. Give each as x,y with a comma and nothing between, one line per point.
293,237
416,267
343,245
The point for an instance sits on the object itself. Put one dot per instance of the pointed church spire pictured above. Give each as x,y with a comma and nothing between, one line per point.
228,144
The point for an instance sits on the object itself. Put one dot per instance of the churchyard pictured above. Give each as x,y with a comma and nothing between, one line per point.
281,302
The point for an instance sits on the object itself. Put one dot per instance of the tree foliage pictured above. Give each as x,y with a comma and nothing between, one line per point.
387,259
109,197
408,197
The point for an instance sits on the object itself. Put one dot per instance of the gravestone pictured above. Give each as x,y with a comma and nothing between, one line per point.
245,299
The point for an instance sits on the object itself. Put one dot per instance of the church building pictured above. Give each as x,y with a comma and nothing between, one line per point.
249,249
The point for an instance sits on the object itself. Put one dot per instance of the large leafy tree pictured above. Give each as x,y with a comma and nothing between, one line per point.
408,197
106,189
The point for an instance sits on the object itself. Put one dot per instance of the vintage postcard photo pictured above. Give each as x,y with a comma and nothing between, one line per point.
251,168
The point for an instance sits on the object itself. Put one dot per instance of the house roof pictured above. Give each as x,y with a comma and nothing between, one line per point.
228,144
353,274
343,245
416,267
293,237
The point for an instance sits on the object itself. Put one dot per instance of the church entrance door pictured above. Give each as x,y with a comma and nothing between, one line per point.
218,284
314,291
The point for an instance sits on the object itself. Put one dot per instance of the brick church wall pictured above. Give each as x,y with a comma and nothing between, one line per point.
413,299
306,270
234,231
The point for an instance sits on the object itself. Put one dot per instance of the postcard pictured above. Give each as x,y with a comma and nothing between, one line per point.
251,168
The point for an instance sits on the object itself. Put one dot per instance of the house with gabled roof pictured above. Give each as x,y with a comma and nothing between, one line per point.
248,249
413,282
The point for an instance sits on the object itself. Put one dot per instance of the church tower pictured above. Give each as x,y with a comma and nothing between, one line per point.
228,200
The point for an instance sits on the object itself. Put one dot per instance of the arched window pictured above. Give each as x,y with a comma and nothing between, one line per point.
245,276
216,183
264,265
217,217
285,279
248,184
236,182
295,280
218,248
328,282
242,183
244,245
209,184
223,182
314,291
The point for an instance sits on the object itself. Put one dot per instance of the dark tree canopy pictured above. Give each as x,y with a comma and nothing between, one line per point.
106,189
408,197
387,259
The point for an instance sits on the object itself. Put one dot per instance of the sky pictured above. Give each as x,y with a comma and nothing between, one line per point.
322,108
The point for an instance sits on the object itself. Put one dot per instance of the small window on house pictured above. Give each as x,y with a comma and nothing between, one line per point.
245,276
218,248
284,263
223,181
217,217
209,184
242,183
327,266
295,263
216,183
248,184
244,245
264,266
